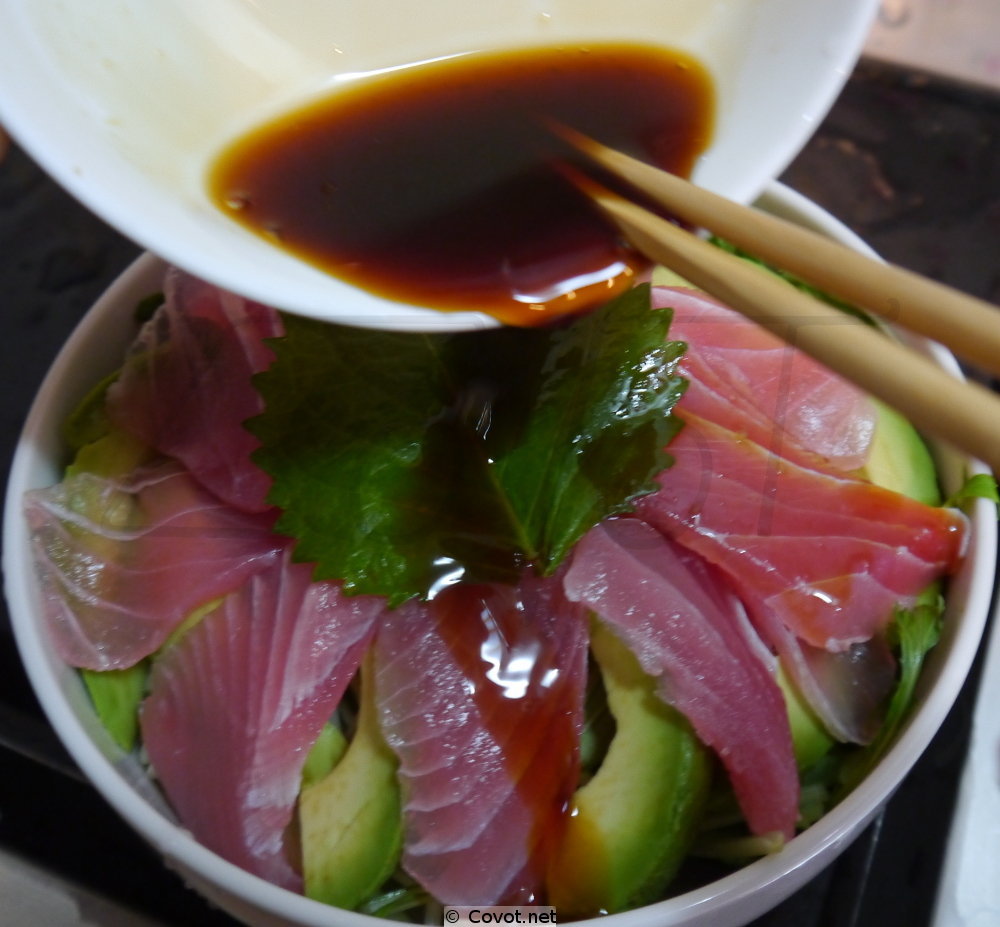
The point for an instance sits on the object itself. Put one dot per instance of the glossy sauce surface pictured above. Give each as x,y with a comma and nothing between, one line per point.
526,681
439,184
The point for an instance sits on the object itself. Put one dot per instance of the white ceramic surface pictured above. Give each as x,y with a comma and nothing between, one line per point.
969,891
125,102
96,347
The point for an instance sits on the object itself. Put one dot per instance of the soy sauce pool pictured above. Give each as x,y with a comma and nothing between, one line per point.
438,184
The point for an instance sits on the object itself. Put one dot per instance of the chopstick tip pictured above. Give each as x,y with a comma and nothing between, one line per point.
571,136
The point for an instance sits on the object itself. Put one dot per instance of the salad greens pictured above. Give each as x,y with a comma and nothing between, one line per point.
471,454
977,486
912,634
790,278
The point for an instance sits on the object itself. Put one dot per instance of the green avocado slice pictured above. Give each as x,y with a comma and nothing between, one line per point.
116,695
899,460
351,820
632,823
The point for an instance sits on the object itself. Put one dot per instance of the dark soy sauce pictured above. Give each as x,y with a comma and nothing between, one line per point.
438,184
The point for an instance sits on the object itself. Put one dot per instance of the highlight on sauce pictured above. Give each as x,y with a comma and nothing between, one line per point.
439,184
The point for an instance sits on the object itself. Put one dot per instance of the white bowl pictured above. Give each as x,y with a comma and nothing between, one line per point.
96,348
125,102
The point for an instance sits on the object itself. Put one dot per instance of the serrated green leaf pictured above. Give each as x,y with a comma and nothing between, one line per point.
597,434
346,421
403,461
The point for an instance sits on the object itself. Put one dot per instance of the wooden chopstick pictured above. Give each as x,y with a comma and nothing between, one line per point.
962,413
969,326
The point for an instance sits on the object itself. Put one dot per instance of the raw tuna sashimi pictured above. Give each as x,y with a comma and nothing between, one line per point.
747,380
185,388
123,561
830,555
820,561
677,615
481,695
236,703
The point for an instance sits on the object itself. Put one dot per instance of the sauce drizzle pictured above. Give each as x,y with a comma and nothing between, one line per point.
437,184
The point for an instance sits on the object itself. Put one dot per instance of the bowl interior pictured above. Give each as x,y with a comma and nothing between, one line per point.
96,348
126,102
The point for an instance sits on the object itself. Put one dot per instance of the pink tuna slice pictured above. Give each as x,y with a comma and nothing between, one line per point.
481,697
186,391
747,380
687,629
236,703
830,555
820,561
113,593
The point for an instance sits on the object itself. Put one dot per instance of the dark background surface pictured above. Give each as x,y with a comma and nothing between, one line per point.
910,163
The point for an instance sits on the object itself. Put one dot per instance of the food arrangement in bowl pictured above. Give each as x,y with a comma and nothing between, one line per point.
629,608
588,673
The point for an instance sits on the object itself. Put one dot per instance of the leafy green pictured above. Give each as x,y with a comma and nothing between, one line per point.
611,376
394,902
978,486
791,278
913,633
402,460
355,428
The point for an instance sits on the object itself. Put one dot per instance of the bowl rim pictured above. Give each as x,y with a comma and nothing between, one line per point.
734,899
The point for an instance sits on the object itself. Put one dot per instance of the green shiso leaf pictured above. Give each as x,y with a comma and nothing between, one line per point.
346,417
402,461
597,434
